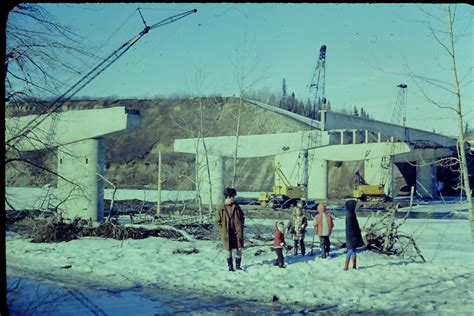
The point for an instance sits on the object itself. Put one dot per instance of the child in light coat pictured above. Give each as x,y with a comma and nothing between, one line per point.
323,225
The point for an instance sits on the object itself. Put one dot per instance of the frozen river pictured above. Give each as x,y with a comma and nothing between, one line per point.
33,297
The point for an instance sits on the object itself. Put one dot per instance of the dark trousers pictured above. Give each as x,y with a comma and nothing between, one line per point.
280,259
299,243
325,245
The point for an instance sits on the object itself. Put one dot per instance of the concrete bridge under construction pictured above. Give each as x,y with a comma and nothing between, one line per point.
336,137
78,137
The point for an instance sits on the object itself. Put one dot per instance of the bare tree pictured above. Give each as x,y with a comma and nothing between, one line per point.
40,56
40,53
246,79
200,82
441,27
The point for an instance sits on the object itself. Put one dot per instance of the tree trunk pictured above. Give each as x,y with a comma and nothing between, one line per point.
158,201
461,148
237,134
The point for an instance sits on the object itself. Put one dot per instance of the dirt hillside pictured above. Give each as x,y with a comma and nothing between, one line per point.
131,159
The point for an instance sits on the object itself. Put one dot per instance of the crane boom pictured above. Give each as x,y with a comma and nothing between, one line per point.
96,71
283,178
398,114
110,59
318,84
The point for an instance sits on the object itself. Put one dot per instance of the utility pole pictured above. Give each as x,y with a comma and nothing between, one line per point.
158,202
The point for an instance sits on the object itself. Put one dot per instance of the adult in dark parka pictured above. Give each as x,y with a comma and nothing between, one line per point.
230,222
353,234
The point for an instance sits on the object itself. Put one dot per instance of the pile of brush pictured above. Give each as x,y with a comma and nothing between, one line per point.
383,236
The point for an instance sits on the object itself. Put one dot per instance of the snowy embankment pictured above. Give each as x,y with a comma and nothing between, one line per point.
445,284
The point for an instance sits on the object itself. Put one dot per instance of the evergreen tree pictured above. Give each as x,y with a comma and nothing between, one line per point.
467,129
283,94
307,108
355,112
292,102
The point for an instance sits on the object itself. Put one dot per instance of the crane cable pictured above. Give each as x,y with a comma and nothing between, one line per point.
91,75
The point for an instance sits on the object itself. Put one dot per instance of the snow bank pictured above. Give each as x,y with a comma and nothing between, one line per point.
443,285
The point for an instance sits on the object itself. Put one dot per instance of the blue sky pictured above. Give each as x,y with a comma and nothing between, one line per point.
366,46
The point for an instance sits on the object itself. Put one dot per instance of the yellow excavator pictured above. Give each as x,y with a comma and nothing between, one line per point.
369,192
284,196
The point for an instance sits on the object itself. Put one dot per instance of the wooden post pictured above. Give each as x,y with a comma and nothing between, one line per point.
412,190
158,202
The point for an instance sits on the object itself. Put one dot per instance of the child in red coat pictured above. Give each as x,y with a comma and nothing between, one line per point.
279,243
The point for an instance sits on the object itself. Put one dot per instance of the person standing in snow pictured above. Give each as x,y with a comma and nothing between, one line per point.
279,243
353,234
297,228
323,225
230,223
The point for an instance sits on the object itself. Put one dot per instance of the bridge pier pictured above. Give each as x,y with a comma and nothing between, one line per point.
80,188
318,179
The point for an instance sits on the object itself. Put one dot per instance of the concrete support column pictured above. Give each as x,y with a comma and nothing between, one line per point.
211,191
83,190
318,179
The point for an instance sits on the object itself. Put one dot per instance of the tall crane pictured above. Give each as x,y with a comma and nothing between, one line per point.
317,90
317,87
96,71
398,116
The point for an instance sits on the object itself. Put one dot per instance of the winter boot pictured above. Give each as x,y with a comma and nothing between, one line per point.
303,249
296,248
346,265
230,264
354,262
328,248
281,264
237,263
323,252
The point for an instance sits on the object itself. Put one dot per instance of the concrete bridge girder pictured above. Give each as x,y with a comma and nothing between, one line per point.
287,151
253,146
333,121
71,126
250,146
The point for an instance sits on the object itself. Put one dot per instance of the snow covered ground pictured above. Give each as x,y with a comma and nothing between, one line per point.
443,285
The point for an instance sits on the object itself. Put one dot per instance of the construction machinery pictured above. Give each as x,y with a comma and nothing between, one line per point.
369,192
99,68
317,87
284,195
384,191
317,101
